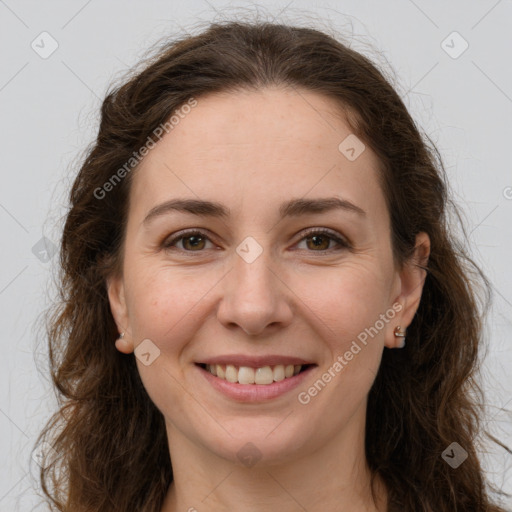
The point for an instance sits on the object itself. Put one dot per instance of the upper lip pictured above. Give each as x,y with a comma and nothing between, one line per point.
254,361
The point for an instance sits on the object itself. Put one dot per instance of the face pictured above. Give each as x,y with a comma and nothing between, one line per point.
292,263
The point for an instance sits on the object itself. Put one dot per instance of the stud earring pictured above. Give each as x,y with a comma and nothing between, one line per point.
400,334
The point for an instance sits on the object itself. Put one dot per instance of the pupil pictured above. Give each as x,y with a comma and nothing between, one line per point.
317,240
194,240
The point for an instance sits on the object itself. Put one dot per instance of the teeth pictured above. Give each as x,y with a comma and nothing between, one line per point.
247,375
279,373
231,373
264,375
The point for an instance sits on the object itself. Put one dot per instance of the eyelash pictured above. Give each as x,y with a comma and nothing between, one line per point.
169,242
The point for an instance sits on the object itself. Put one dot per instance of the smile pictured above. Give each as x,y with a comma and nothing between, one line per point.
247,375
254,384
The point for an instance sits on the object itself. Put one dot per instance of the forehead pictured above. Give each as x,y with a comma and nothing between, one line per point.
246,147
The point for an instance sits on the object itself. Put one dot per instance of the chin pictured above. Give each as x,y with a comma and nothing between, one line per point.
258,441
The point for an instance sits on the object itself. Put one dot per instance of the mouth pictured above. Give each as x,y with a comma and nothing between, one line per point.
255,384
263,375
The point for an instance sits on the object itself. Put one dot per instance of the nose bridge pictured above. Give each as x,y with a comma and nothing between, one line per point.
253,297
252,273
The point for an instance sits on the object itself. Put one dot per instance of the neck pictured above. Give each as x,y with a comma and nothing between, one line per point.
333,477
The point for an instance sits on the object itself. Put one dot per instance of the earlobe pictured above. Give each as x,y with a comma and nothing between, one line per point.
412,278
123,345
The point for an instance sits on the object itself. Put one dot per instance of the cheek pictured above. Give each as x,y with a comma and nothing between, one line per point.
164,299
346,301
348,311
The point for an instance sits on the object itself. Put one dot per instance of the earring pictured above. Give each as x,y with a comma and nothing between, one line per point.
400,334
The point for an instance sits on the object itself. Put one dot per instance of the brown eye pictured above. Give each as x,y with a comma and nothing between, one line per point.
193,241
319,240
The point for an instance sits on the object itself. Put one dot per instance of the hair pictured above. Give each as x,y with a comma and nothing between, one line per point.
110,450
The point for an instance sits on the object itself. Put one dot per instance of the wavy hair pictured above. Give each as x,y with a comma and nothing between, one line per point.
109,441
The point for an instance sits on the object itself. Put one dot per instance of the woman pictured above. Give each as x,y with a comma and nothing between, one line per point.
264,307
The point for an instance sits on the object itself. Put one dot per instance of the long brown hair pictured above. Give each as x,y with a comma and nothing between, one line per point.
109,440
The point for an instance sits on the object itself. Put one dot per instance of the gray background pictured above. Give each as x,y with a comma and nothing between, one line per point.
49,113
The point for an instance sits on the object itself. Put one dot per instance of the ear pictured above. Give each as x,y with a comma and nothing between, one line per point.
117,299
410,281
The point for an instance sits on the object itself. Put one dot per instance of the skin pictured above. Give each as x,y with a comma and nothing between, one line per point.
251,151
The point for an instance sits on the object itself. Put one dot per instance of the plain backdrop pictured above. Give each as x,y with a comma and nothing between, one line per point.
450,62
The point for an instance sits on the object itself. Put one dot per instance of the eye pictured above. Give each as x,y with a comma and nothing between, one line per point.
316,239
192,241
319,240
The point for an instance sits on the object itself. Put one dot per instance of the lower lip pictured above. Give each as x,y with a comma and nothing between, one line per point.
255,392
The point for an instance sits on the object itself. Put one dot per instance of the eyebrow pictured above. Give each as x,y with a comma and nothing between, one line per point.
292,208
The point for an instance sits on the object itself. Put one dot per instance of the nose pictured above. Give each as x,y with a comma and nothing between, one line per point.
254,298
